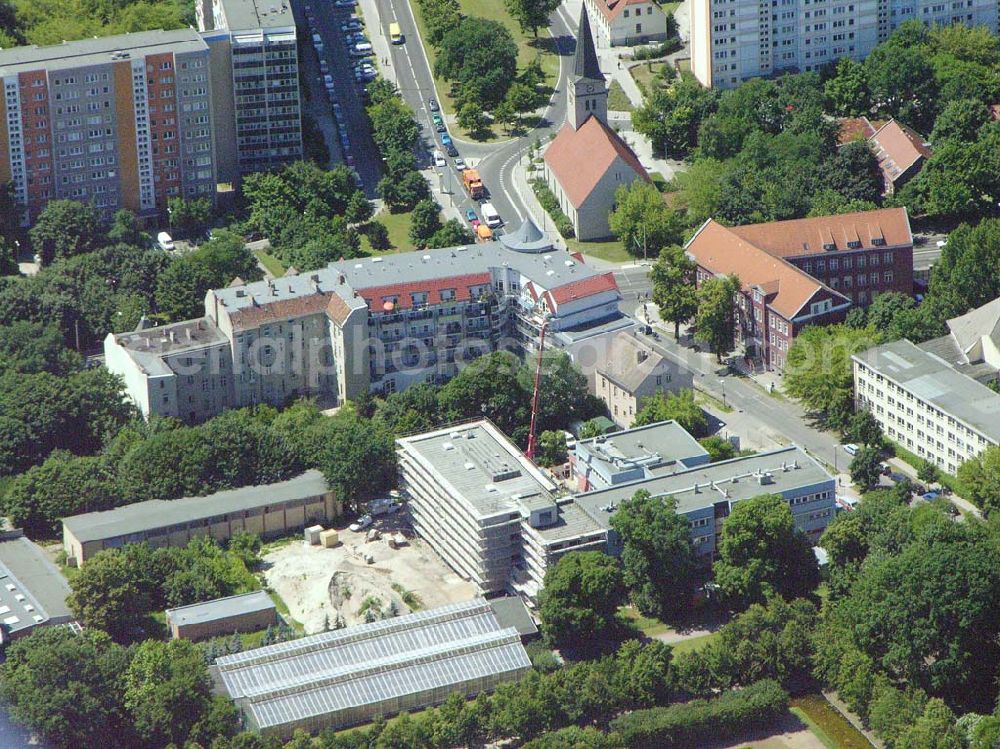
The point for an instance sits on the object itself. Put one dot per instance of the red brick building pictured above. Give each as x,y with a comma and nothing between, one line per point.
805,271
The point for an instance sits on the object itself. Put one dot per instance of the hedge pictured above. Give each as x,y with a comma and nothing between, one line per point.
695,723
551,205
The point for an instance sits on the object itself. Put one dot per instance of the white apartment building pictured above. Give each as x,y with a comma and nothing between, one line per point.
926,405
735,40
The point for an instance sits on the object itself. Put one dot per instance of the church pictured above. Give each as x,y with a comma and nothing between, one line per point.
588,161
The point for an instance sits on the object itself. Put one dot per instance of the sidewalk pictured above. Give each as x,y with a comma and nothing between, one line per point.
535,210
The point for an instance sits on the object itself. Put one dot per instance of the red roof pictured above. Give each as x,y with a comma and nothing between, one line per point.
268,312
583,288
580,158
611,9
376,296
898,148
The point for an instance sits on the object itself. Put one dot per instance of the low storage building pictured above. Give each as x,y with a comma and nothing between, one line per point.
32,590
248,612
270,510
349,676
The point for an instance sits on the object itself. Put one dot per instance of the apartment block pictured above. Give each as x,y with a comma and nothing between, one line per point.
255,75
376,324
122,122
804,272
735,40
934,399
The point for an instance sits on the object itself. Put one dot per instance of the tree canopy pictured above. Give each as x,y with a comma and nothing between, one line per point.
579,599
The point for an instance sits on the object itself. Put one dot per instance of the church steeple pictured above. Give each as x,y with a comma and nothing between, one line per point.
587,92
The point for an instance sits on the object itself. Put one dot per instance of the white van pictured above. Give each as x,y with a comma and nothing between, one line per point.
363,49
439,159
165,241
490,215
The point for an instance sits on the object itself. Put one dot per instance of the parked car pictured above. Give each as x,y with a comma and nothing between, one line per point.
930,495
470,214
324,67
851,449
436,118
897,477
451,150
362,49
344,3
460,165
361,523
446,140
440,127
432,105
439,159
353,25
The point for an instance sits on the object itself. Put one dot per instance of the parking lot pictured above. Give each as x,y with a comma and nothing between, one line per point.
334,87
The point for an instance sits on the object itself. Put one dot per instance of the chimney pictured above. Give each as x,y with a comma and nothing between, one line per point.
641,356
341,279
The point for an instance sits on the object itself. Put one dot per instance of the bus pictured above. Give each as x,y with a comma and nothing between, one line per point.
395,35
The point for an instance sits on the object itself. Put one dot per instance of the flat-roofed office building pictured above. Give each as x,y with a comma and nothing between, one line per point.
247,612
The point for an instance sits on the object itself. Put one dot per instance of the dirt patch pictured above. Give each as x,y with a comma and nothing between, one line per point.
324,587
790,733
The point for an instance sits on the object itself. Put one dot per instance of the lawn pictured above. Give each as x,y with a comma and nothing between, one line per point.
613,251
618,100
398,225
830,726
670,7
273,265
528,48
648,75
693,643
646,625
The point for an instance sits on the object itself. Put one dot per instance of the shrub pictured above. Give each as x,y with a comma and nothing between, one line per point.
699,722
550,203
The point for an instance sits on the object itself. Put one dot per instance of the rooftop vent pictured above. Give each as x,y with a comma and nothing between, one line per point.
448,446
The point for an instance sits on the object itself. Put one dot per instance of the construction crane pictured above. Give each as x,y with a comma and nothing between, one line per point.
532,440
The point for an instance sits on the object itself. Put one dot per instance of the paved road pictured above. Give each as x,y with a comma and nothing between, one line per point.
367,162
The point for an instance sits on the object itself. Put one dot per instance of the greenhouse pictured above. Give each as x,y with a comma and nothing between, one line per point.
351,675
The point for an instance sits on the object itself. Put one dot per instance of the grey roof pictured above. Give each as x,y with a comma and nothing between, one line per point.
788,468
970,328
146,346
247,15
527,238
481,467
220,608
159,513
661,445
571,522
549,271
372,663
630,362
585,64
932,380
98,51
32,590
510,611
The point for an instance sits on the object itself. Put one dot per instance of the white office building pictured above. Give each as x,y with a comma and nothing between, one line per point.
735,40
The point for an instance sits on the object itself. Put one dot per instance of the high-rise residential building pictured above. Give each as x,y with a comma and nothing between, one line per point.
122,122
132,120
734,40
255,80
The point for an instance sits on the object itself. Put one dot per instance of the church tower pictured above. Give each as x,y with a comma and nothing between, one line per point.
587,91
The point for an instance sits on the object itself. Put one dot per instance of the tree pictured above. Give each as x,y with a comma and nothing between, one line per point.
472,118
425,221
504,114
125,229
489,386
865,468
480,57
378,235
847,90
531,14
166,691
658,560
521,97
716,315
359,209
357,457
980,476
928,472
960,120
679,406
674,291
671,116
113,593
762,553
642,221
855,174
935,729
864,428
819,369
189,218
451,234
64,686
65,228
579,600
717,448
902,82
551,449
181,288
886,307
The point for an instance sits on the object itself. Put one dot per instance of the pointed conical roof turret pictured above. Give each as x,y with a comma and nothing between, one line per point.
586,65
528,238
